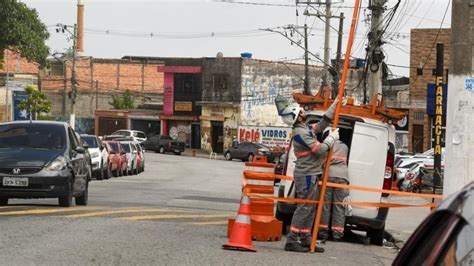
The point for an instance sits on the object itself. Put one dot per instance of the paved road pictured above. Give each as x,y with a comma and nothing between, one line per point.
174,213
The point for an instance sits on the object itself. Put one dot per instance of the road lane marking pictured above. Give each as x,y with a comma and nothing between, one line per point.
173,216
102,213
47,211
210,223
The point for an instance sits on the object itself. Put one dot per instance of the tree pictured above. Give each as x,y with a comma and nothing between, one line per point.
22,31
122,102
36,103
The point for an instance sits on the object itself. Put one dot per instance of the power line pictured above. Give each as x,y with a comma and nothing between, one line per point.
251,3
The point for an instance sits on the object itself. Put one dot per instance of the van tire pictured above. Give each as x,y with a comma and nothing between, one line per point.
376,236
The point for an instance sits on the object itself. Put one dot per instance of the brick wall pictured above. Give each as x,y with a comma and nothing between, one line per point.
423,55
106,76
17,64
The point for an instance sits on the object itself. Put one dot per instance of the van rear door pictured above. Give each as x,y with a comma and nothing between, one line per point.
367,158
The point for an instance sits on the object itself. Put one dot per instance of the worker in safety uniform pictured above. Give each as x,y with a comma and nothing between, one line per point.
338,173
310,154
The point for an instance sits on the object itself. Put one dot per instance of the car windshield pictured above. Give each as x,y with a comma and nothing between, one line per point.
113,146
126,147
91,141
35,136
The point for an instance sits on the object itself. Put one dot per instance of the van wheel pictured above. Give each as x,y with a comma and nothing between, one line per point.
376,236
3,201
162,150
66,201
83,199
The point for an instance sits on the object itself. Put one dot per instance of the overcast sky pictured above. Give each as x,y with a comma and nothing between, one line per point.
202,28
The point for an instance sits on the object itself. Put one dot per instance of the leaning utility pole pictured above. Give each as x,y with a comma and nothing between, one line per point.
338,53
375,58
459,161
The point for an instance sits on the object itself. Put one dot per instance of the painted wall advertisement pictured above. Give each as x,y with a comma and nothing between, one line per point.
269,136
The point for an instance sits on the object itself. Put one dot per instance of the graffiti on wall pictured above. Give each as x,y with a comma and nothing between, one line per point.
181,132
259,90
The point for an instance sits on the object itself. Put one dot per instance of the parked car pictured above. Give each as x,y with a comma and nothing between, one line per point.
141,157
131,153
117,157
111,137
138,136
43,160
446,236
403,166
163,144
246,151
419,177
99,157
370,160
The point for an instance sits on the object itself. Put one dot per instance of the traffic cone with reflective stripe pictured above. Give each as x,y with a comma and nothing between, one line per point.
241,234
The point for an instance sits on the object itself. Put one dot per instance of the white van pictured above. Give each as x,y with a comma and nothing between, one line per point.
370,161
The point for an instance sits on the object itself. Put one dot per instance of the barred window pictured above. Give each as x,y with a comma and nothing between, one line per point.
419,116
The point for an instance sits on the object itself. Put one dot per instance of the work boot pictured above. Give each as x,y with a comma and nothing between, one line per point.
337,236
295,247
323,235
306,242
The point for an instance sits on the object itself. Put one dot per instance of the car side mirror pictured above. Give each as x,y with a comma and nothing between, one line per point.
80,150
85,145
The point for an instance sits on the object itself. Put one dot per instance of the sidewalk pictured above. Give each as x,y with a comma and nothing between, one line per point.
201,154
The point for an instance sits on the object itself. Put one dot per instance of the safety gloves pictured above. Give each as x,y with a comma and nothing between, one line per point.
332,137
332,109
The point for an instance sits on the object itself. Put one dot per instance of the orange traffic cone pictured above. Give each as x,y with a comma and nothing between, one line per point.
241,234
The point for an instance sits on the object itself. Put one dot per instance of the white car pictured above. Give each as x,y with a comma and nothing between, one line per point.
132,156
370,161
402,167
99,157
137,136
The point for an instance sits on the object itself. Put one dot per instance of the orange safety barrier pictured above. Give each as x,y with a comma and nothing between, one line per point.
265,227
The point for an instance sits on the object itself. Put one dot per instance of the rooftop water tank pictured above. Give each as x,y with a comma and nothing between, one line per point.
246,55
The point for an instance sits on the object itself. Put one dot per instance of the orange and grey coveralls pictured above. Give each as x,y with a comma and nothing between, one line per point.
338,173
310,154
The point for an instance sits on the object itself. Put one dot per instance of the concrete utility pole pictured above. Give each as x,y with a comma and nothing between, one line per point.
306,62
376,56
7,111
80,26
327,44
338,53
72,120
459,161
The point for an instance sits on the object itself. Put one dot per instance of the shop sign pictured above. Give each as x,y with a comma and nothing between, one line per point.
183,106
268,136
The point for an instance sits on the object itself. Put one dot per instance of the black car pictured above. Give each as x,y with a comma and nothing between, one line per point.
246,151
43,160
446,236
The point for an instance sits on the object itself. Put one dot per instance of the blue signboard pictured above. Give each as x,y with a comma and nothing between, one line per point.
431,97
18,114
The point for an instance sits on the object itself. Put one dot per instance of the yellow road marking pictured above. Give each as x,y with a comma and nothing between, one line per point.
174,216
211,223
47,211
101,213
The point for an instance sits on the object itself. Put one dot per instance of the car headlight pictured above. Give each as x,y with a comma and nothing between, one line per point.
57,164
94,155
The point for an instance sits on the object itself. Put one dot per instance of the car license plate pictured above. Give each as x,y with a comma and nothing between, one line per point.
15,182
176,150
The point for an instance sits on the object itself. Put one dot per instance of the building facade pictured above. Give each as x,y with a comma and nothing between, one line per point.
422,65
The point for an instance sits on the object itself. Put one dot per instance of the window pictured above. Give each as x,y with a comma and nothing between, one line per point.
91,141
139,135
460,250
34,136
419,116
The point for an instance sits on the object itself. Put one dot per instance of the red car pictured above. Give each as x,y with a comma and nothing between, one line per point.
117,158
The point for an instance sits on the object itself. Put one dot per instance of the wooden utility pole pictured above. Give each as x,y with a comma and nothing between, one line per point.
459,161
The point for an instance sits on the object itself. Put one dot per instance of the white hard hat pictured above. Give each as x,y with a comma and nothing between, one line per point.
289,115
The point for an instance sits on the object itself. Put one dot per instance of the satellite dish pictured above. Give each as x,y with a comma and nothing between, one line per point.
220,55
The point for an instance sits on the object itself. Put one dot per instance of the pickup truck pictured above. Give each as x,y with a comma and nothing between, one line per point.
163,144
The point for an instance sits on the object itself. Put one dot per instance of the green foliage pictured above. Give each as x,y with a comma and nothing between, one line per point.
37,103
22,31
123,102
